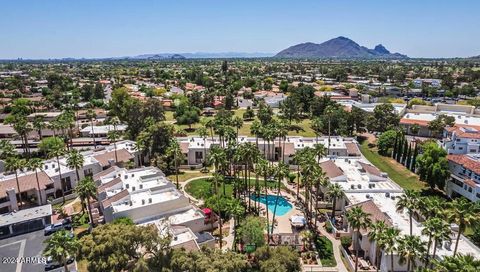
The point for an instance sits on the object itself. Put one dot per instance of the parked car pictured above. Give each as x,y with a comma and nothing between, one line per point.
51,264
52,228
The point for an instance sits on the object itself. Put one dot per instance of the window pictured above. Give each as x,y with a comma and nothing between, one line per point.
469,189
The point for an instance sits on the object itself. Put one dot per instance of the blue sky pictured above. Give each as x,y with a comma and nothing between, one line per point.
87,28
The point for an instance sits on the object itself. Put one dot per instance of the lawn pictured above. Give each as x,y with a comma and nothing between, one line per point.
325,251
397,172
186,175
203,188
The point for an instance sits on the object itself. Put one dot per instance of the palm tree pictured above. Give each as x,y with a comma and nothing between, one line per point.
320,151
217,157
319,180
263,169
431,206
435,228
114,135
298,159
34,164
91,115
306,237
388,243
174,149
256,130
335,191
317,126
236,209
13,164
410,249
281,172
39,124
7,150
55,147
357,220
375,235
409,201
203,132
237,123
87,189
460,262
328,112
60,246
75,161
464,213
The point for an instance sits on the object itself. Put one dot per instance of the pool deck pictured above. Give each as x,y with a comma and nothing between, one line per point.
283,221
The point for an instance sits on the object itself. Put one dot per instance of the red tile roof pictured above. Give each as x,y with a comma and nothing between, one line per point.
331,169
107,202
370,169
421,123
466,162
122,154
27,182
352,149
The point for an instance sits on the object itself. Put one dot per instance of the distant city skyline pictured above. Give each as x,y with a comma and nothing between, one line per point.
100,29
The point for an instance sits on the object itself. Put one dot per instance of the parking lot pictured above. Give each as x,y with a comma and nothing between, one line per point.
22,247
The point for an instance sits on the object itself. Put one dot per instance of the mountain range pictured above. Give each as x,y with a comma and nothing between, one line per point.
201,55
340,47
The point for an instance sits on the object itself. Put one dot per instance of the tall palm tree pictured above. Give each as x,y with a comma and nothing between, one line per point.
87,189
60,246
435,228
34,164
14,164
75,161
299,159
389,242
237,123
203,132
357,220
329,112
410,249
217,157
175,151
319,180
91,115
263,169
335,191
409,201
114,135
281,172
7,150
256,130
39,124
55,148
320,151
464,213
375,235
236,209
432,206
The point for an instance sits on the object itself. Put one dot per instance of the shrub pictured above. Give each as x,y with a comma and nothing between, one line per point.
328,227
346,241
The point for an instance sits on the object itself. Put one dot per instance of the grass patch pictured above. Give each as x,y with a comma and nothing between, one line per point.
186,175
204,188
397,172
325,251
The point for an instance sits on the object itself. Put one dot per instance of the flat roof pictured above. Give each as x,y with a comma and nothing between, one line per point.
460,119
188,215
136,198
24,215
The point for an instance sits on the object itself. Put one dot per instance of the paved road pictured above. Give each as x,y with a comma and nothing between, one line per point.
21,247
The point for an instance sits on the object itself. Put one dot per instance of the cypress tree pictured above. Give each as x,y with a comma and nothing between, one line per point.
409,157
394,153
400,151
414,158
405,151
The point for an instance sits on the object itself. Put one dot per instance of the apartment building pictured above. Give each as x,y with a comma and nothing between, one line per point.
461,140
465,176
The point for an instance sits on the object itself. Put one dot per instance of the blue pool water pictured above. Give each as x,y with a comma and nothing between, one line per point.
283,206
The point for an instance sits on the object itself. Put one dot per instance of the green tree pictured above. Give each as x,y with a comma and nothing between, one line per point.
335,191
432,165
464,213
357,220
437,125
54,147
437,230
87,189
251,231
60,246
13,164
34,164
410,249
386,141
409,201
75,160
278,259
383,118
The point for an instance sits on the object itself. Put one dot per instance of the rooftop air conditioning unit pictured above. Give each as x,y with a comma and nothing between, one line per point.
352,186
149,200
130,203
387,194
127,185
133,188
143,201
359,186
141,186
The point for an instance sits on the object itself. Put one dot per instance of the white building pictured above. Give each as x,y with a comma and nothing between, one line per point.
461,140
366,186
464,177
101,131
196,148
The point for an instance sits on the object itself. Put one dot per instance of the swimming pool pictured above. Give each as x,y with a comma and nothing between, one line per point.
283,206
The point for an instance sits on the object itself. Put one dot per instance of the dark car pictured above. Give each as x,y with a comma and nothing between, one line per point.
52,228
51,264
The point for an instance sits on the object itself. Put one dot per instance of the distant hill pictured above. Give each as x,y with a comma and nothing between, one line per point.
159,56
340,47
